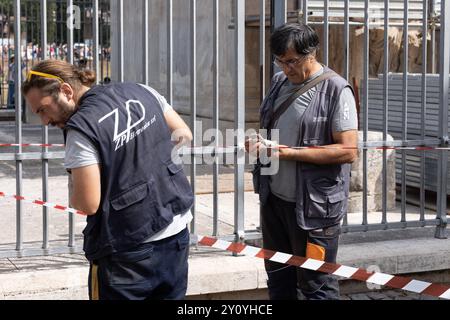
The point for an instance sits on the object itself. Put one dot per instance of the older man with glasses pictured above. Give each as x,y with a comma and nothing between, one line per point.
303,203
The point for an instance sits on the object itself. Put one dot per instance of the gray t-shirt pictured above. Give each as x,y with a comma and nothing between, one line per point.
282,184
81,152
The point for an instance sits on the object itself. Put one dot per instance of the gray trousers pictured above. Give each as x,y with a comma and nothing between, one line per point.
281,233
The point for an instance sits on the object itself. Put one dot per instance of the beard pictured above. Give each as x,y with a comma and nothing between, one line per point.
65,111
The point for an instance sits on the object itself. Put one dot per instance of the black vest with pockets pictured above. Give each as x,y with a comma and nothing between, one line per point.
322,190
141,188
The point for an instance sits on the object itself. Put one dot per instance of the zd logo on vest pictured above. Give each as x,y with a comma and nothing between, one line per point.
132,107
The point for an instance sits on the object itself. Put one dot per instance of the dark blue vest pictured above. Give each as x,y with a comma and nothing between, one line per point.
141,188
322,190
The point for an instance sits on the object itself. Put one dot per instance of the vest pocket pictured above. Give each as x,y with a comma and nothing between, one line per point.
180,191
325,198
135,213
130,197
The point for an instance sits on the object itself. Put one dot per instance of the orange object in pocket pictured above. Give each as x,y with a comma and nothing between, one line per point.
315,251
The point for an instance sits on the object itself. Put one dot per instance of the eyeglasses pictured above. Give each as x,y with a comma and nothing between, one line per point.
290,63
43,75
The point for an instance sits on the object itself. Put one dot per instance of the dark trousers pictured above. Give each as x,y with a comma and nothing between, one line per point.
281,233
155,270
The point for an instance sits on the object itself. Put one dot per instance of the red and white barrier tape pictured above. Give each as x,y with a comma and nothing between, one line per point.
397,282
42,203
212,148
325,147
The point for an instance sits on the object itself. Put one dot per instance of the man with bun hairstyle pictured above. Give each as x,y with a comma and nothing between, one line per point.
118,153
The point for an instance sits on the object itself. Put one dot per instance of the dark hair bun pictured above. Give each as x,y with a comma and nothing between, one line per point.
87,77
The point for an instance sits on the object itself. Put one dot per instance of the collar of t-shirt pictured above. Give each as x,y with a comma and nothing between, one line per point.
291,86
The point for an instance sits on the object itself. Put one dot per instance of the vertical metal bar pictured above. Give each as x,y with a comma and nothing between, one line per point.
169,51
385,109
326,31
424,105
108,36
305,11
121,42
2,25
433,37
25,24
405,107
346,39
193,103
96,48
365,106
70,33
239,119
70,60
279,13
44,133
32,36
443,119
146,44
262,49
61,28
18,106
216,92
346,60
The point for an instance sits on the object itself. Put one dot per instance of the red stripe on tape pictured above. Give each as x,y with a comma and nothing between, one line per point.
39,202
236,247
398,282
296,261
362,275
329,267
19,197
60,207
207,241
265,254
435,290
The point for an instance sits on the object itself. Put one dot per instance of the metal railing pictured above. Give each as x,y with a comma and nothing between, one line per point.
442,137
237,26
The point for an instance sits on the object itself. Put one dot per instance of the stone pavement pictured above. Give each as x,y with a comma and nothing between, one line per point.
387,295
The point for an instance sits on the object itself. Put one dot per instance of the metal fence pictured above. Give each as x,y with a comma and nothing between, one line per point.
97,52
375,13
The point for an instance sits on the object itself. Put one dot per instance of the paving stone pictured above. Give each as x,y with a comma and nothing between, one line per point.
345,297
376,295
426,297
359,296
403,298
393,293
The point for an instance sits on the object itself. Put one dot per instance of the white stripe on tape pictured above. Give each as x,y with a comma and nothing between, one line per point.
416,286
345,271
49,204
250,251
446,294
221,244
312,264
281,257
380,278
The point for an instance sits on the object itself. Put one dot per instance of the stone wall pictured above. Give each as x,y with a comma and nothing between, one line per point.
374,178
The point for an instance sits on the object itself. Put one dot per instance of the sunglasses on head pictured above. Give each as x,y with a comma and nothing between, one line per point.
43,75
